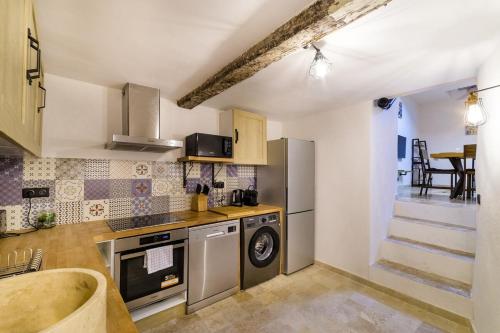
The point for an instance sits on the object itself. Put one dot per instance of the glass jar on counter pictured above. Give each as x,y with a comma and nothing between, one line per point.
46,219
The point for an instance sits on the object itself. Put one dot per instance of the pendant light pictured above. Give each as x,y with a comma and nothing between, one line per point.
475,114
320,65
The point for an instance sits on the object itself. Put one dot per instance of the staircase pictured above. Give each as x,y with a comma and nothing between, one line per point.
429,254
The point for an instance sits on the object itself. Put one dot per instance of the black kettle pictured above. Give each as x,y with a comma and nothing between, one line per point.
237,198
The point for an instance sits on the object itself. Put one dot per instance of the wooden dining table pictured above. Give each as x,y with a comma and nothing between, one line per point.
455,159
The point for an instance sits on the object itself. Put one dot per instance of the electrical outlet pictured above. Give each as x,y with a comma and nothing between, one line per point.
36,192
218,185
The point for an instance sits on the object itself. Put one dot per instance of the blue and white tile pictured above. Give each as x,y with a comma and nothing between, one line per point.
246,171
69,190
141,206
96,169
232,170
175,170
69,212
160,170
191,185
246,182
142,170
160,205
120,208
10,192
193,170
11,169
179,203
96,189
39,168
120,169
141,187
120,188
161,187
94,210
14,216
70,168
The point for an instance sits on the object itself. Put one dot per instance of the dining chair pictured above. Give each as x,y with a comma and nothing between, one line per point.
428,171
470,173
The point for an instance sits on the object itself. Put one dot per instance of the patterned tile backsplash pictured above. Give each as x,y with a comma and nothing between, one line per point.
95,189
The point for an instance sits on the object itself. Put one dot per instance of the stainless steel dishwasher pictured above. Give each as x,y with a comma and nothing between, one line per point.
214,252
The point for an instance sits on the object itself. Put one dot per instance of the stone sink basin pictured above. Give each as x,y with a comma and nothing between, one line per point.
70,300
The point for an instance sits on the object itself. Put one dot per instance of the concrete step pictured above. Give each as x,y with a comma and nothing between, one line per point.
448,294
443,212
453,237
429,258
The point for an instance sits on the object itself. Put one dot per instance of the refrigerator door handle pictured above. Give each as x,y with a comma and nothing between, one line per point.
286,199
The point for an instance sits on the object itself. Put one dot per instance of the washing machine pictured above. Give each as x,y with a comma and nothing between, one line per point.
260,242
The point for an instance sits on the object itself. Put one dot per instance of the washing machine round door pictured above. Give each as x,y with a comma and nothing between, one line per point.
263,247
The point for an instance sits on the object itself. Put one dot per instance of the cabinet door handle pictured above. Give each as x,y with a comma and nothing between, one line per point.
236,135
44,96
34,44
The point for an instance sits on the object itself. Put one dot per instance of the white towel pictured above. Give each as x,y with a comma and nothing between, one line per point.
158,258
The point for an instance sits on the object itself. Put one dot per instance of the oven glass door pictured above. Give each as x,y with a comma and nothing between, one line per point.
135,282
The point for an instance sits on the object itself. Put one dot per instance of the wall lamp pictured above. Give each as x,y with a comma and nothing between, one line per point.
475,114
320,65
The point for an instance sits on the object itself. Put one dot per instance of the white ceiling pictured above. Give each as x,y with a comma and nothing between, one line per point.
444,93
175,45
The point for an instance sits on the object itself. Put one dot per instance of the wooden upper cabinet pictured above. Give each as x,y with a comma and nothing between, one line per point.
249,132
12,67
19,100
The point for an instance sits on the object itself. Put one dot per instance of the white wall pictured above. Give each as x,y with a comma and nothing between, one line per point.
383,169
407,127
274,130
442,126
486,291
342,183
81,117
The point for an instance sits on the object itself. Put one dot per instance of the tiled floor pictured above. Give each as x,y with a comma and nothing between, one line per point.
315,299
434,196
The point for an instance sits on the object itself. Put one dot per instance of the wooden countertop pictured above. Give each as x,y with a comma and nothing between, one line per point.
232,212
74,245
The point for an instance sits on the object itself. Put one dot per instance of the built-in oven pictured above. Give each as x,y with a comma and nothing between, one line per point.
137,287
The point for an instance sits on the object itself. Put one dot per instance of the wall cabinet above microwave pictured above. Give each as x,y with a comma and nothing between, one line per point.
22,93
249,132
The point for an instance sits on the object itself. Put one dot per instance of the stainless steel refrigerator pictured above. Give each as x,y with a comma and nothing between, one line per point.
288,181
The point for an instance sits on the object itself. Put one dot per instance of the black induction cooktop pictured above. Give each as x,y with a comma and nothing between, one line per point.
142,221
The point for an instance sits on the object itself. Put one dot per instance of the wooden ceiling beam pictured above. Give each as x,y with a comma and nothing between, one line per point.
315,22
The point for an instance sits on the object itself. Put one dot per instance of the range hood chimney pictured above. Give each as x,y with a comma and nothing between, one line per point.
141,122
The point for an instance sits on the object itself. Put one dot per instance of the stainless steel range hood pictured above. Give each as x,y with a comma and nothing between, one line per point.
141,122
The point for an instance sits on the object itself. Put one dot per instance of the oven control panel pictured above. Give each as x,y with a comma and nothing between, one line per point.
154,239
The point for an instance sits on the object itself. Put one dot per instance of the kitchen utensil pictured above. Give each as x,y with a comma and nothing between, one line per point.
206,189
199,203
250,196
198,188
237,198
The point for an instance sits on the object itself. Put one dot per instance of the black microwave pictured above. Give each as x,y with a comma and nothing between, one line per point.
208,145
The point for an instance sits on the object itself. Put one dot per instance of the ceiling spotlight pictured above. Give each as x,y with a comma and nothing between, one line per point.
320,66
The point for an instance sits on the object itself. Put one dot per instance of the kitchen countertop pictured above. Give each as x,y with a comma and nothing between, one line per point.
74,245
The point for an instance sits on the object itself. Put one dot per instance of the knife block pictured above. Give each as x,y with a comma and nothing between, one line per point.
199,203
